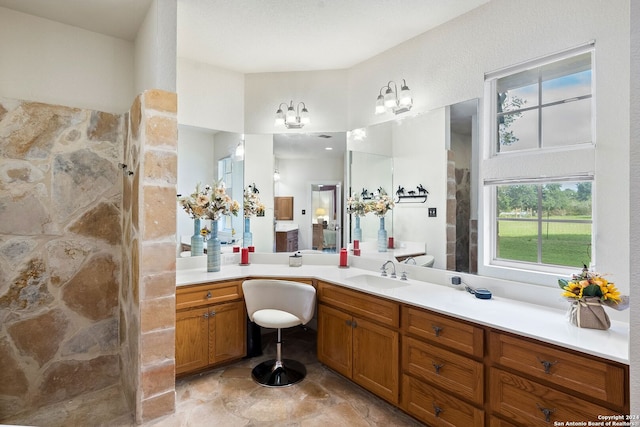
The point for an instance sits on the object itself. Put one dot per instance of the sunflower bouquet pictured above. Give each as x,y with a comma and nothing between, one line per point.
588,293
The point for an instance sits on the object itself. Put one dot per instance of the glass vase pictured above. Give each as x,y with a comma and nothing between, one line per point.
213,248
197,241
382,237
247,236
357,231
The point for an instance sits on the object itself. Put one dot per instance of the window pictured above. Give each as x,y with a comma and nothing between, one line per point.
539,164
546,223
545,106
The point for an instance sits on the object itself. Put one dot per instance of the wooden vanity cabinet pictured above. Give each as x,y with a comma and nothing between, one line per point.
287,241
358,337
533,384
442,369
210,325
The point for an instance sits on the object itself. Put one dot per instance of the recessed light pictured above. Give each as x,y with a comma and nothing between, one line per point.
328,148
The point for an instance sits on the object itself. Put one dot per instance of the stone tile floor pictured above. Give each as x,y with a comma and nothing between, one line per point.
229,397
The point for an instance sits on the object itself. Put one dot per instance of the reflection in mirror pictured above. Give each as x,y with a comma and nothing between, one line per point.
437,151
301,160
326,208
368,173
205,155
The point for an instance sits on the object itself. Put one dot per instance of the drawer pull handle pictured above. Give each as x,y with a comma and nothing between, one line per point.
547,365
437,330
547,412
209,295
437,410
437,367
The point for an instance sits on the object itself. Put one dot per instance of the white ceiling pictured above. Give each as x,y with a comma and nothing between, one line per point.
253,36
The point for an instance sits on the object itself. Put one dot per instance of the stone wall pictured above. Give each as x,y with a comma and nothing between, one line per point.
60,252
87,253
147,303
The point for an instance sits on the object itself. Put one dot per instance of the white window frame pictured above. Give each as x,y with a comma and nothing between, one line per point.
511,167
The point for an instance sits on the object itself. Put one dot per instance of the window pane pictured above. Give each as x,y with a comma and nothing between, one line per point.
555,215
517,91
567,124
565,243
566,79
517,240
567,201
518,131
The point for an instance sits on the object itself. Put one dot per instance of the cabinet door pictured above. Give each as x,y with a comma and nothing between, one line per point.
191,339
283,208
375,358
335,339
227,332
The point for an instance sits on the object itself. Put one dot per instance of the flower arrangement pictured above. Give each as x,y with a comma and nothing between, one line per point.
381,204
588,293
209,203
590,284
194,204
252,204
356,206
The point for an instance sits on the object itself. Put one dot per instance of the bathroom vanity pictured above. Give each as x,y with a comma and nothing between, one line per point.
437,353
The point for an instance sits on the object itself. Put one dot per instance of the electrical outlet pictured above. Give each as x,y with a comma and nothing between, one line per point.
432,212
456,280
304,211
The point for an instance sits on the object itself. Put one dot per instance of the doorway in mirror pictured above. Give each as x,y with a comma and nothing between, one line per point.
326,217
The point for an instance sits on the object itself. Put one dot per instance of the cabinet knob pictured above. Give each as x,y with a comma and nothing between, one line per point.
205,315
547,365
437,410
212,313
437,330
437,367
209,295
349,323
546,412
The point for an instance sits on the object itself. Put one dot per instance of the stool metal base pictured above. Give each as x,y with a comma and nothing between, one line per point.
273,374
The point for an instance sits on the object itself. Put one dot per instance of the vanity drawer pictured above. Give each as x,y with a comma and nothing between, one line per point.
450,371
208,293
455,334
533,404
437,408
596,378
374,308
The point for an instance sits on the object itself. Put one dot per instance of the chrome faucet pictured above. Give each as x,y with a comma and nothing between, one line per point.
384,269
406,261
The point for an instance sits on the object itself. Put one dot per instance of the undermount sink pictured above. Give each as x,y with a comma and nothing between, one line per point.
378,282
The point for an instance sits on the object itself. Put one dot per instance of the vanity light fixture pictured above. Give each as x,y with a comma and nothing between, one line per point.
392,100
276,175
293,118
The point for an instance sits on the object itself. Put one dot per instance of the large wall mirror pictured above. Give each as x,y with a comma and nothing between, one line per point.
310,168
435,150
205,156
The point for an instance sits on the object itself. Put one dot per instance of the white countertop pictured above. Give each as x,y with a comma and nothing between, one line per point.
546,324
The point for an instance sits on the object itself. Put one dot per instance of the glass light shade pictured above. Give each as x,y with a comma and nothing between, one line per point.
304,116
240,151
291,115
276,175
389,98
405,97
380,105
279,117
